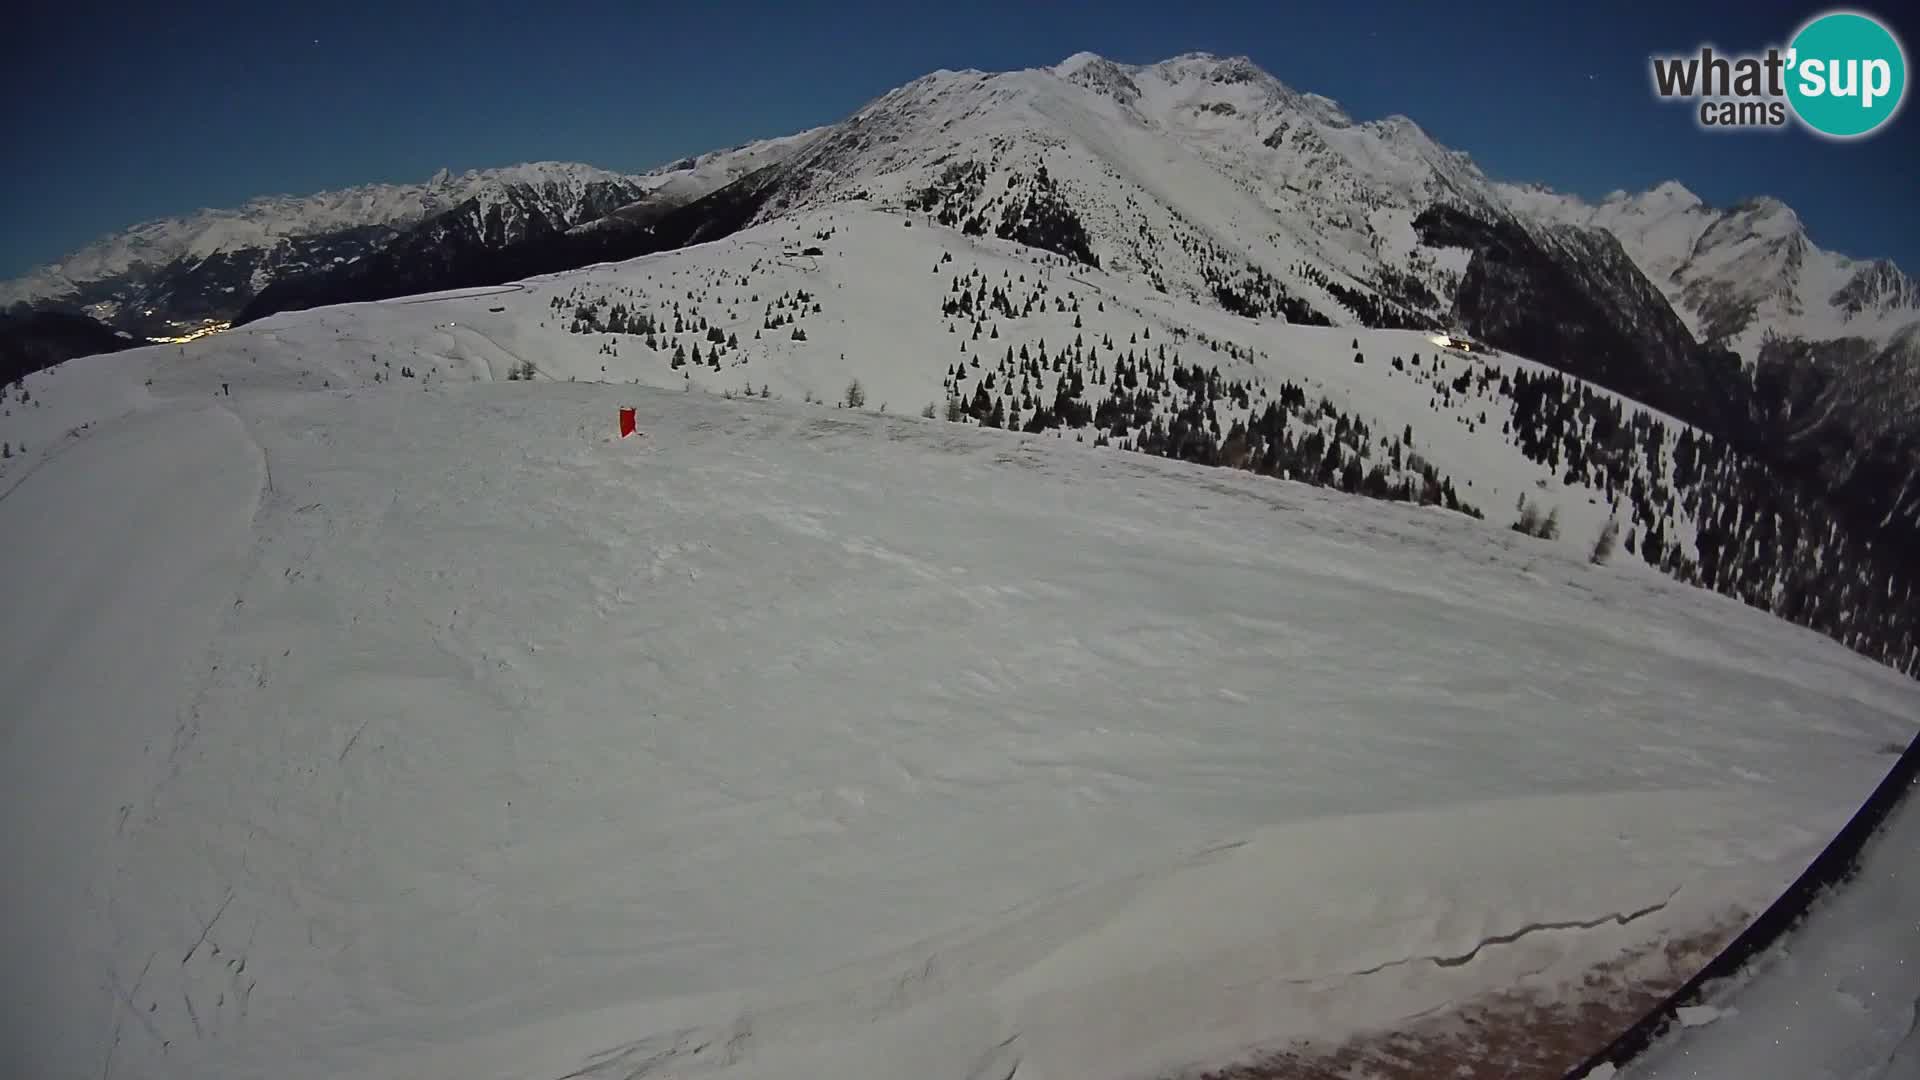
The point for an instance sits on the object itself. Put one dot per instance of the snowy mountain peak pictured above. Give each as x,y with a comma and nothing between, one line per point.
1078,62
1764,212
571,173
1740,274
1234,69
1673,193
1199,63
1112,161
1401,130
1101,75
1209,68
1213,62
1879,287
1666,197
691,177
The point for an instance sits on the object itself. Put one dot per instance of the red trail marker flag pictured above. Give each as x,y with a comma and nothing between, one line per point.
626,422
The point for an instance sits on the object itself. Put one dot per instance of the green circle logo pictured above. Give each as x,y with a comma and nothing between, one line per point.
1847,75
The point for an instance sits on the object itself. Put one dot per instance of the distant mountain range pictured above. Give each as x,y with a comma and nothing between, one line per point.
164,277
1284,181
1204,175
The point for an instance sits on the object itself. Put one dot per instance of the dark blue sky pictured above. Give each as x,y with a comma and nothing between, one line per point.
124,112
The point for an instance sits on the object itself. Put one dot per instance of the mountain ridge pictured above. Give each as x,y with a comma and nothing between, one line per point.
1867,297
159,276
1215,181
1742,271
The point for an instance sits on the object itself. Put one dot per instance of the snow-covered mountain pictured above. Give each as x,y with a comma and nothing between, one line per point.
1050,516
381,712
1210,176
161,276
1744,273
689,178
1831,344
1205,174
1202,173
1211,181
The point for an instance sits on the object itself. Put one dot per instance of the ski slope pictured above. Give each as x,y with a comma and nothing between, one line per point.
880,285
420,727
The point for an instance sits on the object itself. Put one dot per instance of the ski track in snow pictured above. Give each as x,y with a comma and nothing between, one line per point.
428,729
148,519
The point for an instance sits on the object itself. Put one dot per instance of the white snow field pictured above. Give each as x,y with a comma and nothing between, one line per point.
1838,999
424,728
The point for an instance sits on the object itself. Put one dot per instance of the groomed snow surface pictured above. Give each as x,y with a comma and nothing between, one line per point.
430,730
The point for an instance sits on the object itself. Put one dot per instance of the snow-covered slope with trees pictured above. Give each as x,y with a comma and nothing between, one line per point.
1205,174
377,711
997,333
1063,615
1200,173
1211,180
